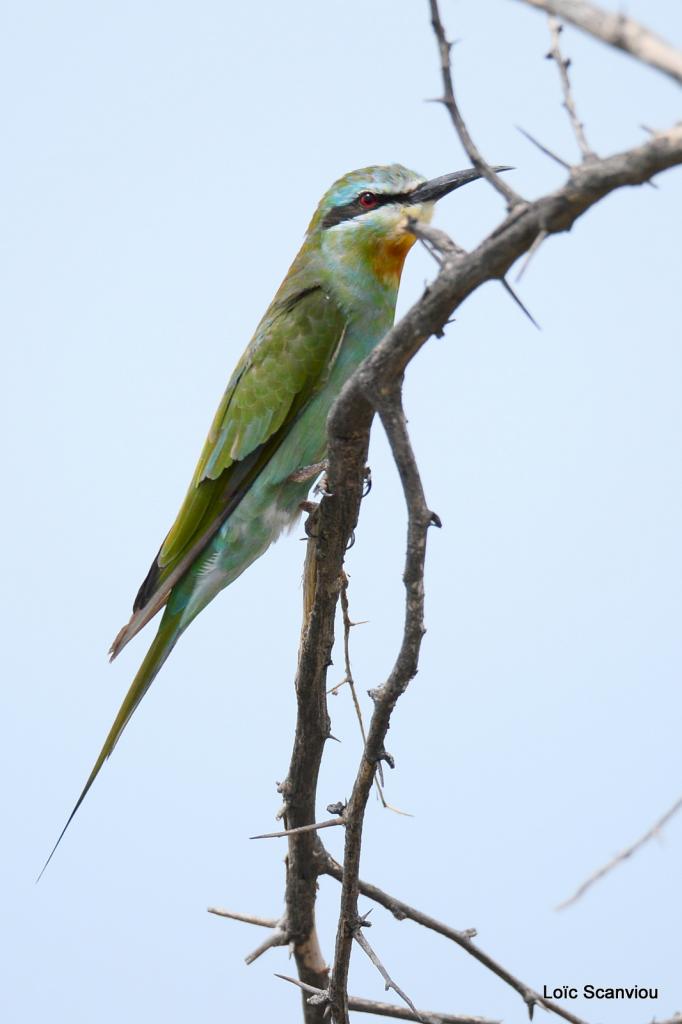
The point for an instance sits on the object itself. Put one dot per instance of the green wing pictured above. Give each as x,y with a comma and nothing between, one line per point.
289,357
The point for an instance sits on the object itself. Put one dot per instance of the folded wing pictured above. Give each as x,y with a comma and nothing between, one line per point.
283,367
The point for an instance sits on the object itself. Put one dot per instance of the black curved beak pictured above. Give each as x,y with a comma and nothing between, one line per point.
432,191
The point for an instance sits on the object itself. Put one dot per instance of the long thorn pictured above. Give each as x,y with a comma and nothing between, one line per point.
544,149
507,287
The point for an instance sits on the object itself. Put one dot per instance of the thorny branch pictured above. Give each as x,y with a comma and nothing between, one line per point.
448,100
278,930
262,922
462,938
617,30
376,388
387,399
315,826
563,65
348,678
388,980
397,1012
350,682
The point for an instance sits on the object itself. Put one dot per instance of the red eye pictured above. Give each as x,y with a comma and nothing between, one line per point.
367,200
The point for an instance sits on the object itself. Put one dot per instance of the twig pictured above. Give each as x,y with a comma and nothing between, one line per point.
349,679
397,1012
402,911
441,246
347,626
279,934
278,937
617,30
448,100
388,980
313,827
596,876
401,1013
436,242
563,65
262,922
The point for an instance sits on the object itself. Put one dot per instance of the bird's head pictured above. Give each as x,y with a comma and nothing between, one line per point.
361,221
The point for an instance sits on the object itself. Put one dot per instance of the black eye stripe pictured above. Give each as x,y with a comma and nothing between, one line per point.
348,211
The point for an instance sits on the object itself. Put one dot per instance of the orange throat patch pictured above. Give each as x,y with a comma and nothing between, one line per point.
388,257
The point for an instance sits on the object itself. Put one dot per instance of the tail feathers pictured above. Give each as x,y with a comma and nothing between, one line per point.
162,645
164,580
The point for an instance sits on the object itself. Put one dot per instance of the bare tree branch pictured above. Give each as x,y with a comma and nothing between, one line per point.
654,831
448,100
387,400
262,922
402,1013
279,935
321,584
563,65
617,30
403,911
376,384
350,681
436,241
389,983
313,827
397,1012
347,626
463,273
376,388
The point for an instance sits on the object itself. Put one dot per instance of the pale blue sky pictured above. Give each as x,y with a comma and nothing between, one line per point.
161,162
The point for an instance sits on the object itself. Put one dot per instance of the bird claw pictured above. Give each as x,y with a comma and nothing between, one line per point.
367,476
310,507
322,486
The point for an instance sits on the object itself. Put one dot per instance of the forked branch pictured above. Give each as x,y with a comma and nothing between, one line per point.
460,126
617,30
375,388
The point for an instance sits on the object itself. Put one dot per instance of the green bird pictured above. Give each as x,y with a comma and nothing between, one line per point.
335,304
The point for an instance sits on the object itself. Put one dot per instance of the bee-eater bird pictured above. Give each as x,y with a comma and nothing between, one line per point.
335,304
